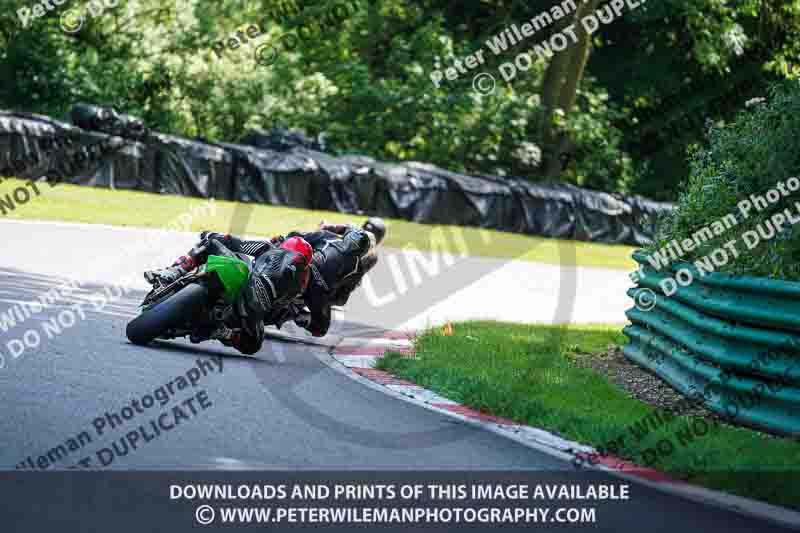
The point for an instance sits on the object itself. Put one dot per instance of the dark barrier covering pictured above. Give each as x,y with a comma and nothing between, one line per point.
281,139
107,120
32,146
284,168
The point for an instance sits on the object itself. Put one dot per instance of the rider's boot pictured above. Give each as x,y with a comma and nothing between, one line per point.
225,335
171,274
219,332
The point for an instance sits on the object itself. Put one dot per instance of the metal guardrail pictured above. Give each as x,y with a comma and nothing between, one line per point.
735,340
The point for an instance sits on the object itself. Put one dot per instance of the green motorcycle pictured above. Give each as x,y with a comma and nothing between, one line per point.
192,305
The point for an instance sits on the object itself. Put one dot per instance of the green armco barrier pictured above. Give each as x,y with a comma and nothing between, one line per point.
749,402
718,295
741,283
720,327
735,354
736,340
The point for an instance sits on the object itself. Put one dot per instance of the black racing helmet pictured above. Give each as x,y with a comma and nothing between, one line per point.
377,227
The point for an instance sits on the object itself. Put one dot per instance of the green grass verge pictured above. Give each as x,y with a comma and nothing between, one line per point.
70,203
527,373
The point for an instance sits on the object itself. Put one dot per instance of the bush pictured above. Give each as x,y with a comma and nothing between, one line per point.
749,156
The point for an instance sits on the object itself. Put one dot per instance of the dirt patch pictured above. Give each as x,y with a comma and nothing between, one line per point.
640,383
647,387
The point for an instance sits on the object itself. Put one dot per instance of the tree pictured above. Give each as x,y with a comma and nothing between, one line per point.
559,90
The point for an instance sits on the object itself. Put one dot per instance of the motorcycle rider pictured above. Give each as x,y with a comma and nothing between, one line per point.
342,255
345,287
278,275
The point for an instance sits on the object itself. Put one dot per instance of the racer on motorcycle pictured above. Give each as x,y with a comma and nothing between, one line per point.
342,255
279,275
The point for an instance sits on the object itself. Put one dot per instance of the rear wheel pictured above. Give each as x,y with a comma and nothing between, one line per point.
172,312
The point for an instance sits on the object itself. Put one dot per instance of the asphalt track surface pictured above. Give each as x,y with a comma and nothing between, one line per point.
284,408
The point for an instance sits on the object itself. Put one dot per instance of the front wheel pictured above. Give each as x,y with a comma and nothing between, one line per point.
166,315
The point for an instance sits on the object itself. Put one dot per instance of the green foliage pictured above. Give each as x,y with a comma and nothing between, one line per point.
749,156
364,80
600,160
683,66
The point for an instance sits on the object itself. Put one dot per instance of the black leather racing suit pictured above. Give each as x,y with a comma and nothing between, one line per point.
277,277
339,264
